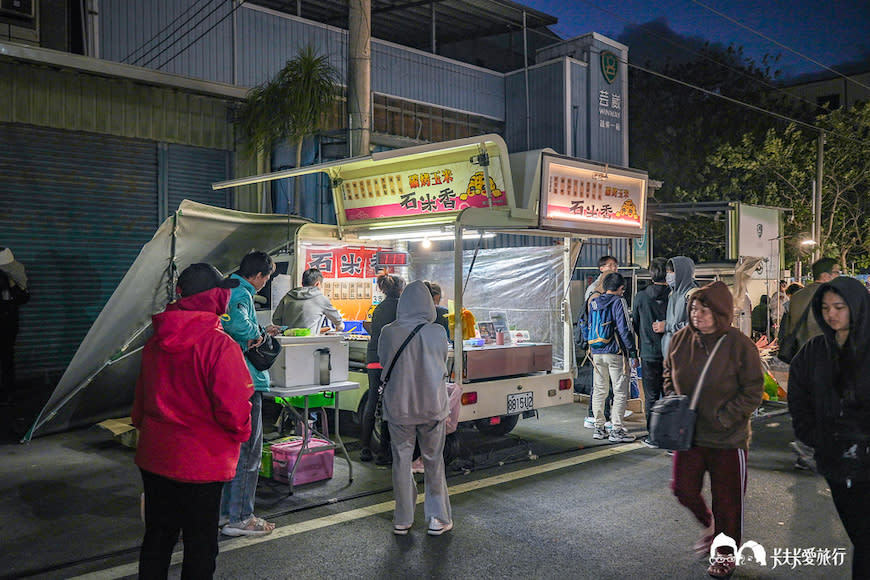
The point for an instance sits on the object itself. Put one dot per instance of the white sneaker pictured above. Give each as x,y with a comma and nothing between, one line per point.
589,422
627,414
608,426
437,527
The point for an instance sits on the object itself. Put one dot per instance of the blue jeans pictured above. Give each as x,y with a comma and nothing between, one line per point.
237,503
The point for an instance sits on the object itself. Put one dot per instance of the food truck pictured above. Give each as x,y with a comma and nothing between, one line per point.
429,212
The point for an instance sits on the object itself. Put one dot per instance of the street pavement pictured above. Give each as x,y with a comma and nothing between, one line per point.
546,501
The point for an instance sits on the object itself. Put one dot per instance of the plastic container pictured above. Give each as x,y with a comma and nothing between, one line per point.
313,466
266,462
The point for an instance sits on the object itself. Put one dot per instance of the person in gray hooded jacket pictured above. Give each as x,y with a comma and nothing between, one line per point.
681,278
416,407
303,307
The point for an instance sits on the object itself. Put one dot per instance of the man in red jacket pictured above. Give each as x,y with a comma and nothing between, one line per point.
192,411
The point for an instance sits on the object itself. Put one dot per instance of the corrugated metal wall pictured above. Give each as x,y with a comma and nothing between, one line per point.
267,39
579,72
547,96
76,209
82,102
174,36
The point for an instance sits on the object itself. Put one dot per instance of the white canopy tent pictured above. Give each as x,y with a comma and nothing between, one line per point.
100,380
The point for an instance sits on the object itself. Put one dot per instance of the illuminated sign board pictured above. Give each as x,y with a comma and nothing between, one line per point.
588,198
434,189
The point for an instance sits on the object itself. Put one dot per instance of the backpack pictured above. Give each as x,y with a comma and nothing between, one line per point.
600,325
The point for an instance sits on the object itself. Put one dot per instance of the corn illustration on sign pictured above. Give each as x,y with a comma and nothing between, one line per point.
591,198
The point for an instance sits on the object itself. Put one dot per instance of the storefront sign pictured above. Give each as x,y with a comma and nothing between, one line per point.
609,66
437,189
589,198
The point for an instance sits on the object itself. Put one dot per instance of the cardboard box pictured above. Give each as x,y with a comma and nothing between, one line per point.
313,466
122,431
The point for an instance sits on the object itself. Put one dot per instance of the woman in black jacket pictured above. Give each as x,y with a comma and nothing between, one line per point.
383,314
829,399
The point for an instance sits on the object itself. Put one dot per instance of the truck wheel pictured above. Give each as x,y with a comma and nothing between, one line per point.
508,422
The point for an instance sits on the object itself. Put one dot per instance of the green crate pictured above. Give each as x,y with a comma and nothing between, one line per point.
321,399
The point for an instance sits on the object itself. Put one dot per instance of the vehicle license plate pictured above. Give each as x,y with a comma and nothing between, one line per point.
519,402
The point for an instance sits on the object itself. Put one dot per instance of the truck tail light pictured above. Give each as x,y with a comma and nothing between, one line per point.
565,384
495,420
469,398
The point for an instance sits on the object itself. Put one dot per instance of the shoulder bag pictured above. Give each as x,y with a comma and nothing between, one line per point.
263,356
672,419
382,433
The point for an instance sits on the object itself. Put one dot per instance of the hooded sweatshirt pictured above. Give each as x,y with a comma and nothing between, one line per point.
303,307
417,391
829,387
191,404
734,383
678,312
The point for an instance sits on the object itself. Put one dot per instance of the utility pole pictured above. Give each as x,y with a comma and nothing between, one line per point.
359,70
817,199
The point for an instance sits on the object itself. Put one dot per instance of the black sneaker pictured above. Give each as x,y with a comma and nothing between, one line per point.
648,442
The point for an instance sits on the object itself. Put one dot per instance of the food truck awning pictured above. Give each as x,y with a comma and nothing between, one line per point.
474,181
100,380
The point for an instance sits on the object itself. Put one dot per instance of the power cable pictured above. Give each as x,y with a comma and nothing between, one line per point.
161,31
645,30
779,44
195,40
780,116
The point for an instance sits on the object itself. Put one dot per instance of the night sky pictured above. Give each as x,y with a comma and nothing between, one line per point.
830,32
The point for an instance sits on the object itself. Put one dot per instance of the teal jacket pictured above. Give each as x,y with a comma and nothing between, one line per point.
242,325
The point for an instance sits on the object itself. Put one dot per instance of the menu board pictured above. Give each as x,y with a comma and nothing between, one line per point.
585,197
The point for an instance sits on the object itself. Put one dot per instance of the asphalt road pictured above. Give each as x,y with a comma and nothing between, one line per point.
546,501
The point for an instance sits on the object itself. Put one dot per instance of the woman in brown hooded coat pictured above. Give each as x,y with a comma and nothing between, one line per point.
731,391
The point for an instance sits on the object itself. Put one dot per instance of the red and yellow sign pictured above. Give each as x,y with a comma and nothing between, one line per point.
430,190
588,198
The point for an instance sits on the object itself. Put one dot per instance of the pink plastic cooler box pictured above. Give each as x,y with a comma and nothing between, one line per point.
314,465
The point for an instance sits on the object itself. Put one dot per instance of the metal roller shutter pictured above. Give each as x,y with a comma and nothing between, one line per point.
190,172
76,209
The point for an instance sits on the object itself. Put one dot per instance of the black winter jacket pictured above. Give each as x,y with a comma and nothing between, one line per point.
649,306
829,389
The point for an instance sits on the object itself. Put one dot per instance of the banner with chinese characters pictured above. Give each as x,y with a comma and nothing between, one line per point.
589,198
434,189
348,276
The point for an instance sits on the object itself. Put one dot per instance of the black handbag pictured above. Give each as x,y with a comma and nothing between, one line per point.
263,356
380,424
672,418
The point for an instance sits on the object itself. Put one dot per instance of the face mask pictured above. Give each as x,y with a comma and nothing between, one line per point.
671,279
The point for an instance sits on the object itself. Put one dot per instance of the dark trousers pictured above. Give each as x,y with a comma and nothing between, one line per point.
853,505
727,469
7,361
172,506
368,418
652,384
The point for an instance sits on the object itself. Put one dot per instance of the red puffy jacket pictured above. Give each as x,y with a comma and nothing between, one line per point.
192,404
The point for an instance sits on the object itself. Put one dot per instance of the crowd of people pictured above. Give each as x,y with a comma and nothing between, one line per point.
678,329
199,395
197,388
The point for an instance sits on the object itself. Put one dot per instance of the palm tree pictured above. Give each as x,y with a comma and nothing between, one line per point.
291,106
